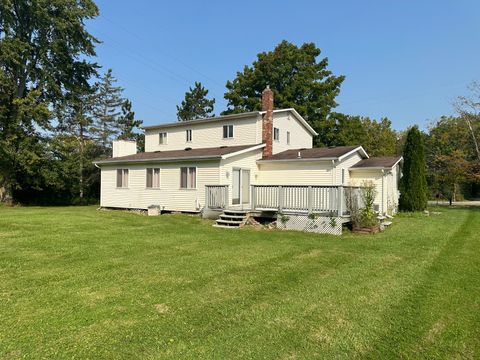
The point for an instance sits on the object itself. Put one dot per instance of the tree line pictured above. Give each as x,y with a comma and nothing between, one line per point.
58,112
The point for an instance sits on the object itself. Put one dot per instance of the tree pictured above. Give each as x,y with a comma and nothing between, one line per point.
108,100
297,79
413,184
127,125
196,105
75,122
468,107
377,137
44,48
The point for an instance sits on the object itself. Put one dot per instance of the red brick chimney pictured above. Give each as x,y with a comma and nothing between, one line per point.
267,121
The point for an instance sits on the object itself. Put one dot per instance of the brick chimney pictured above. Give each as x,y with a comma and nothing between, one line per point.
267,121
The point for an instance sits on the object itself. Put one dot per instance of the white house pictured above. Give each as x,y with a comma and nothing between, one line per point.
260,160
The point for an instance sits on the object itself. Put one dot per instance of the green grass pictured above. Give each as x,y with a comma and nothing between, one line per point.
75,282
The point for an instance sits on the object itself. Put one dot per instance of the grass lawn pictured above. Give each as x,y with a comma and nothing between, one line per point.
76,282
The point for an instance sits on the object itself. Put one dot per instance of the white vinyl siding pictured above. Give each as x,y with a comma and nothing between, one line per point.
153,178
296,173
299,136
247,131
122,178
168,197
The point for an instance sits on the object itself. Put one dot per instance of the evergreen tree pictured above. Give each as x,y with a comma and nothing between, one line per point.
298,81
127,124
108,100
44,50
196,104
413,184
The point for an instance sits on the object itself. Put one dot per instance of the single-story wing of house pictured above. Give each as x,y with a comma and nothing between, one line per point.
260,160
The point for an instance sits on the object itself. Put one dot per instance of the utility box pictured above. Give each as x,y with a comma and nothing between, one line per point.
154,210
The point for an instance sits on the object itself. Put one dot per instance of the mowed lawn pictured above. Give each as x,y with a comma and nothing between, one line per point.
76,282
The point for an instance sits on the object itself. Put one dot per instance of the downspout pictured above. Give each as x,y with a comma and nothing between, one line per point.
383,192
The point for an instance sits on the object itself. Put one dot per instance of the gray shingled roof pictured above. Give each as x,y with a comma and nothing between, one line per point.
184,154
314,153
377,162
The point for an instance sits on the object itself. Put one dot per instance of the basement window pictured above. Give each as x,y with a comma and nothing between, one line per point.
227,131
122,178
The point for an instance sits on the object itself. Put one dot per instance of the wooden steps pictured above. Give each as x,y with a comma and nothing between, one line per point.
231,219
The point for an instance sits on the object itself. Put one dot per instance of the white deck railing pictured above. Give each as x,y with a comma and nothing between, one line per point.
300,198
216,196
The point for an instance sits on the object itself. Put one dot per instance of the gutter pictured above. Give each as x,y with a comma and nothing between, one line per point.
296,160
172,159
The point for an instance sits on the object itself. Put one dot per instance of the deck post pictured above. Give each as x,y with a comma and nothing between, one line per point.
340,200
280,198
226,197
310,199
254,196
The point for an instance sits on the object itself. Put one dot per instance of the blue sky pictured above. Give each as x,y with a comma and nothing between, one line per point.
406,60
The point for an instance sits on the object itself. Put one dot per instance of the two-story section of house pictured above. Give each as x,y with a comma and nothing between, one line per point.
186,162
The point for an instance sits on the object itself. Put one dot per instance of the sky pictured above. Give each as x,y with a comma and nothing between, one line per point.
406,60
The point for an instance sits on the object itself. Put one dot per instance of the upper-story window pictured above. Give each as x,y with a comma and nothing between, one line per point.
276,134
288,137
153,178
188,134
227,131
122,178
162,138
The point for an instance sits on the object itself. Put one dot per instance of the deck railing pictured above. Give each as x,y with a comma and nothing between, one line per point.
300,198
216,196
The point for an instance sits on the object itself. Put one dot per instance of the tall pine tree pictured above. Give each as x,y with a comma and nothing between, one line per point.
196,105
127,125
413,184
107,110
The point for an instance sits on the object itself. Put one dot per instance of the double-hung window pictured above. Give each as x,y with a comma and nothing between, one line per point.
227,131
276,134
153,178
162,138
122,178
189,135
188,177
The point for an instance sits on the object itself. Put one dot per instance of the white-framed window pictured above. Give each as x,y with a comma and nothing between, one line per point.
343,176
288,137
162,138
188,177
276,134
227,131
122,178
153,178
188,134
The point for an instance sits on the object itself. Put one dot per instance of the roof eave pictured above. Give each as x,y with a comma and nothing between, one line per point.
171,159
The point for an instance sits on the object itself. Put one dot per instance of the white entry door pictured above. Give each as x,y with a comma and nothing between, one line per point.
240,186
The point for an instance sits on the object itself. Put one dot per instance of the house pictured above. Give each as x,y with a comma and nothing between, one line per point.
260,160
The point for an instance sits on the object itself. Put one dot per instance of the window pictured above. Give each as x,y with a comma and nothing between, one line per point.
122,178
288,137
188,178
162,138
227,131
343,176
189,135
153,178
276,134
